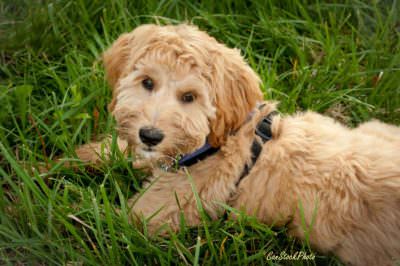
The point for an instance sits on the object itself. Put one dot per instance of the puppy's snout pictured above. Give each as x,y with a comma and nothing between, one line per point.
151,136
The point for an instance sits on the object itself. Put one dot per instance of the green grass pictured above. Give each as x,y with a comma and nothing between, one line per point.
341,59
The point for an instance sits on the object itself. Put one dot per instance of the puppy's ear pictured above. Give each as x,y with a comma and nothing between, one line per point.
122,55
115,58
236,89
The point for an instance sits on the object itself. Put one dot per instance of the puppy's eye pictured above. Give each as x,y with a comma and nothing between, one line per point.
148,84
188,97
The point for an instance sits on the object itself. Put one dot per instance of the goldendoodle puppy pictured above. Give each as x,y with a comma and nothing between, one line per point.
177,91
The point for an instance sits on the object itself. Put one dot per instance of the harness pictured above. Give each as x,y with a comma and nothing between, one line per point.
263,130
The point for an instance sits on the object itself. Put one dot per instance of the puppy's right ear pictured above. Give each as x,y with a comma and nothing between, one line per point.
116,57
123,53
115,61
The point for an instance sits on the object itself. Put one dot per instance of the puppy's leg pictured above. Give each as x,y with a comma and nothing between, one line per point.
171,196
92,154
97,152
165,200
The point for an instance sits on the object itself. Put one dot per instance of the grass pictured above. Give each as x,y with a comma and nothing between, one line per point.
338,58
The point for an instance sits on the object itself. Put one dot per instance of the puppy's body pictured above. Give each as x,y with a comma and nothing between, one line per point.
338,186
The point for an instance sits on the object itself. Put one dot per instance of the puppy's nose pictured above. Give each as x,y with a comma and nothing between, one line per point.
151,136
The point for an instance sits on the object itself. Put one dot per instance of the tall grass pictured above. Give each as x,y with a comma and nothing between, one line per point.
338,58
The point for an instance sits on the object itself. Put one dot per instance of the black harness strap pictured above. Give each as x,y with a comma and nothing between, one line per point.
263,130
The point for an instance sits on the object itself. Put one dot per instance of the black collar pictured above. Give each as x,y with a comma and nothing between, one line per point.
198,155
263,130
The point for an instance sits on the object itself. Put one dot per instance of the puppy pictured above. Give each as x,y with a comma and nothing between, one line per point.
177,91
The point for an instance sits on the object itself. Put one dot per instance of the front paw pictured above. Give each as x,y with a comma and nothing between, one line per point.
153,226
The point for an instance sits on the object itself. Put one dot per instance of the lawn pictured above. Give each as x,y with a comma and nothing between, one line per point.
341,59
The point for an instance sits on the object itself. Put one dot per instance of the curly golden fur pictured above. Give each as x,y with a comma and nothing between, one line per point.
344,182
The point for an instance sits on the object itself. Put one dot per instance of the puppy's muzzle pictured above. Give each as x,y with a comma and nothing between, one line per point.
151,136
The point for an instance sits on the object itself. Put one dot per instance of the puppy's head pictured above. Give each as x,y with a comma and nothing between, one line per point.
174,87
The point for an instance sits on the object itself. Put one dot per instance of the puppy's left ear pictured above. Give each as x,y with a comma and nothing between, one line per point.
236,89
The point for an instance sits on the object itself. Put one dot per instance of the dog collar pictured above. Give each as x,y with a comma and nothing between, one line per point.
205,151
263,130
197,155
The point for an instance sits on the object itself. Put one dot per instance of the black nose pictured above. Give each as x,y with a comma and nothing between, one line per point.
150,135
